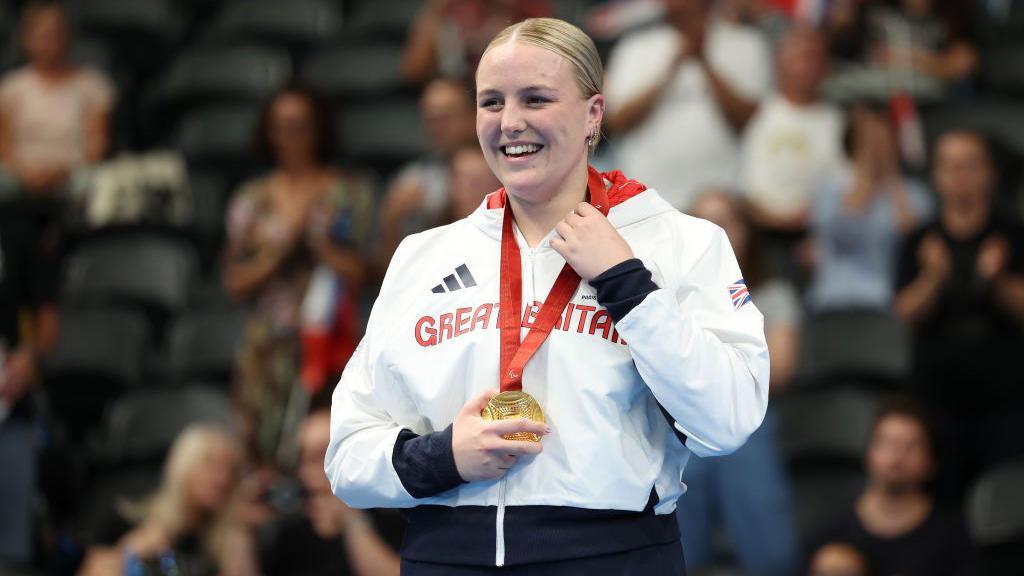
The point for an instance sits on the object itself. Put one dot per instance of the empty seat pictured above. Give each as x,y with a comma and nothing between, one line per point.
354,70
858,343
240,73
383,134
995,518
822,494
100,520
203,344
147,269
1004,73
219,137
92,52
142,426
373,19
828,425
995,510
103,343
142,30
302,22
99,353
1002,119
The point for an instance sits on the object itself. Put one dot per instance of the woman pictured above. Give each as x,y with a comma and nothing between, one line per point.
191,523
860,214
597,491
54,116
293,258
748,491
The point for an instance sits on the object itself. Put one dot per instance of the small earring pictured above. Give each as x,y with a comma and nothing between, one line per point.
592,139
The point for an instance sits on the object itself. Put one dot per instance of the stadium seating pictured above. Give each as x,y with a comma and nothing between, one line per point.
303,23
219,138
867,345
373,19
995,516
824,426
99,354
1001,118
138,268
354,70
142,30
382,134
202,345
141,426
232,74
823,434
1003,71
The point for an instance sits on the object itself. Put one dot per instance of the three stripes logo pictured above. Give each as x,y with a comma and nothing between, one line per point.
452,283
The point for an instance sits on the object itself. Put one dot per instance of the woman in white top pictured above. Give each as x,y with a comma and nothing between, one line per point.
683,369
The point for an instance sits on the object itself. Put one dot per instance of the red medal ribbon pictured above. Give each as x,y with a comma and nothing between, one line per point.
515,355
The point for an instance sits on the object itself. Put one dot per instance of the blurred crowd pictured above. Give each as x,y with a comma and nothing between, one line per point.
199,198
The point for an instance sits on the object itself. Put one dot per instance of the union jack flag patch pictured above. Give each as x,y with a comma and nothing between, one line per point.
739,293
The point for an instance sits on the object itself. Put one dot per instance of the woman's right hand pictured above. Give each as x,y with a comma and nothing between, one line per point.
481,453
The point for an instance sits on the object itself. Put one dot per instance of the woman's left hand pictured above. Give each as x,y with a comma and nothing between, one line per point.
589,242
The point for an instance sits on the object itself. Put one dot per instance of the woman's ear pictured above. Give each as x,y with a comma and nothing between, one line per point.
595,109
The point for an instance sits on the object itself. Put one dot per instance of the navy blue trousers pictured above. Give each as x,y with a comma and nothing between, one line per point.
660,560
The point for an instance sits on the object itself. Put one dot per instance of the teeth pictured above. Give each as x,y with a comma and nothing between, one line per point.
521,149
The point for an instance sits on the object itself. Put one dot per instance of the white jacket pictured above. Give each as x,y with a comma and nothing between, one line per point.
432,344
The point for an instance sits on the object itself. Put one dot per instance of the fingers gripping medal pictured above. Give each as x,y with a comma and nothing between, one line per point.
513,402
512,405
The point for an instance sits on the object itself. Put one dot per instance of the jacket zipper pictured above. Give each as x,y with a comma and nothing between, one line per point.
499,520
499,534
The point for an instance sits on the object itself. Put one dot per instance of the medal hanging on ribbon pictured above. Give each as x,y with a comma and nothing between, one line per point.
513,402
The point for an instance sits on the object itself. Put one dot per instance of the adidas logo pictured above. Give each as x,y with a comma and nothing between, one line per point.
452,283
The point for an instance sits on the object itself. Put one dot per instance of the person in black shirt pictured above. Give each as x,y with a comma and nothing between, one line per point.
28,330
960,285
895,521
330,538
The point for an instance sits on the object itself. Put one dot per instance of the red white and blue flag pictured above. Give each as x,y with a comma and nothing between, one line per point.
739,293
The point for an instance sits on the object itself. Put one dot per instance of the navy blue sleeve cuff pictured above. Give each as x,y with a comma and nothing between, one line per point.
426,464
623,286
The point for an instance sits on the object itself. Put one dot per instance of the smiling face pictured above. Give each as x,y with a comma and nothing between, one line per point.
532,119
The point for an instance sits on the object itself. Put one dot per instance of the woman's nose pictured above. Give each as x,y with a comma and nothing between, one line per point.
512,121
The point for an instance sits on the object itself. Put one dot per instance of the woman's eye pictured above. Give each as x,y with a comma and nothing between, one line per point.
536,100
491,104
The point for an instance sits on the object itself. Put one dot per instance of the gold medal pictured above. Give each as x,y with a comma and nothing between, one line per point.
512,405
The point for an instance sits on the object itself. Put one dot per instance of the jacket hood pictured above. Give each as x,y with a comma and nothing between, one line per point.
629,202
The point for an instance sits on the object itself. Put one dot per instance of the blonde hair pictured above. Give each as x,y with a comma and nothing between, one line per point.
168,507
567,41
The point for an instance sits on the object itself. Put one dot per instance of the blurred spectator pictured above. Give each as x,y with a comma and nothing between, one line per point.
769,16
748,490
418,195
860,215
846,29
54,116
925,36
794,139
839,559
679,95
471,180
329,537
282,228
28,330
895,521
960,285
190,526
449,36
